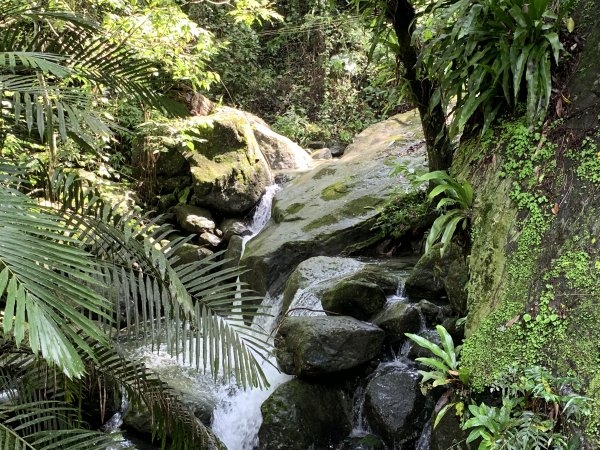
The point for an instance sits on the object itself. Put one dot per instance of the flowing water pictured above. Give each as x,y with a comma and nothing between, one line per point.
237,417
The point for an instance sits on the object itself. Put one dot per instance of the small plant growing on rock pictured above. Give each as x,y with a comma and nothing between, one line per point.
538,411
445,367
455,207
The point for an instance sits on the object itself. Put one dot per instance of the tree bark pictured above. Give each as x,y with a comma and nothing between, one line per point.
439,148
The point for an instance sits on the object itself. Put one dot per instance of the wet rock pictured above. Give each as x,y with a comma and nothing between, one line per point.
434,314
396,319
312,277
332,208
435,276
416,351
455,284
368,442
394,405
315,346
194,219
301,415
448,434
355,298
337,149
233,227
209,239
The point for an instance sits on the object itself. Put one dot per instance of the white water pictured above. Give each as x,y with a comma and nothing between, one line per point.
237,417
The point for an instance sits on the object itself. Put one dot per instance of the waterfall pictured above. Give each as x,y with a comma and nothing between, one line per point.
237,417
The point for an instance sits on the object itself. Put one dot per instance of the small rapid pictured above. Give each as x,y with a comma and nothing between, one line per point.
237,417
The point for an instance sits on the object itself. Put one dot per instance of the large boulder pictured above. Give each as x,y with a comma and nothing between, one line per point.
221,155
332,209
229,172
394,405
315,346
356,298
301,415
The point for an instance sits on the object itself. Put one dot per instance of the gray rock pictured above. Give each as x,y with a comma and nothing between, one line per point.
316,346
229,172
234,251
337,149
396,319
433,314
234,227
332,209
323,153
194,219
280,152
312,277
189,253
301,416
210,239
394,405
455,284
355,298
449,434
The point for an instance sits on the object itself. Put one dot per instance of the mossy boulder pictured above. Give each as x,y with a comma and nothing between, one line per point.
229,173
533,289
355,298
301,415
332,209
312,278
218,152
311,347
189,253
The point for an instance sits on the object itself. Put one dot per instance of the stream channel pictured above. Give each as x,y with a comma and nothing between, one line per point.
236,414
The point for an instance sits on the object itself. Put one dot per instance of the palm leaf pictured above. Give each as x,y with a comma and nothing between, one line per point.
44,281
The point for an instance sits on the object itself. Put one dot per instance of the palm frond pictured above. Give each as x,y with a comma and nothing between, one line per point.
196,311
44,279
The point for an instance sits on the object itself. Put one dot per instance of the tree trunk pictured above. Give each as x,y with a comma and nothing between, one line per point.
439,148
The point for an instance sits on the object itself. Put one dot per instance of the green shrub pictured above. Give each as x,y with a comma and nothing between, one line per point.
538,411
490,55
455,205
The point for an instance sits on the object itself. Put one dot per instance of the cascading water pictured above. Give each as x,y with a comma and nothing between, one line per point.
237,417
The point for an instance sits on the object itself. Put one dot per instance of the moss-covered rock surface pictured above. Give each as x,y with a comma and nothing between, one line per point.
534,285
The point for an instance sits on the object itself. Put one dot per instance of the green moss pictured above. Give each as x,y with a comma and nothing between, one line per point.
336,191
324,172
294,208
538,305
588,158
403,212
329,219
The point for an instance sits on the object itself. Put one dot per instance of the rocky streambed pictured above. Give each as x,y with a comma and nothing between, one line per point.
342,373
